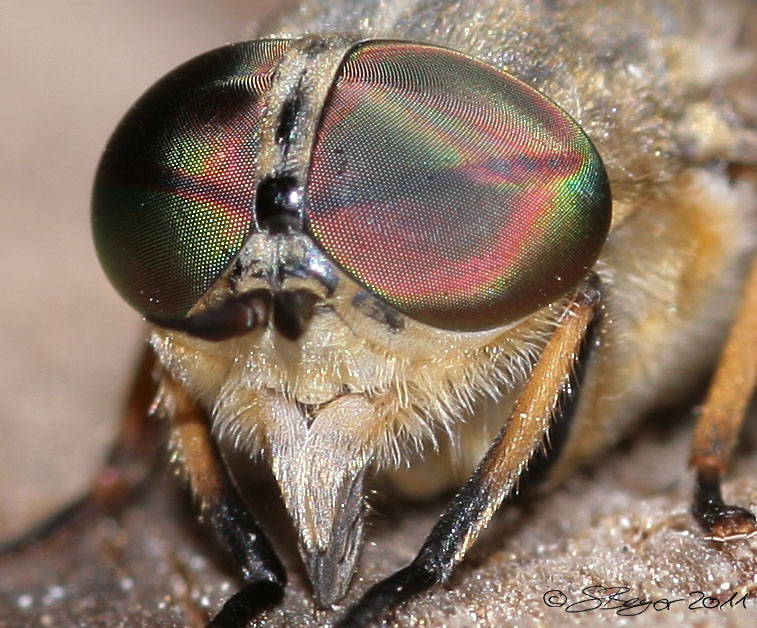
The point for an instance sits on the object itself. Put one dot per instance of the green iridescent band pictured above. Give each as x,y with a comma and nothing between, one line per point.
174,194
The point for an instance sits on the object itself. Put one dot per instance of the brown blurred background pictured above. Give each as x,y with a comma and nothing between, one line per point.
67,341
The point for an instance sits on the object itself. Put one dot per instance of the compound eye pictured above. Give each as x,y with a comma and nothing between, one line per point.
174,193
450,189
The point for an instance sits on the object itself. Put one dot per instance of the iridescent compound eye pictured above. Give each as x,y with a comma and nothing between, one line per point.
174,193
450,189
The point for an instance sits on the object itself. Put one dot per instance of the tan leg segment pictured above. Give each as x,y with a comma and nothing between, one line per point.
472,508
532,414
732,387
193,447
719,424
203,464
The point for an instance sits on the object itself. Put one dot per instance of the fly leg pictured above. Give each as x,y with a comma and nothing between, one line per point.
131,460
719,424
202,462
498,473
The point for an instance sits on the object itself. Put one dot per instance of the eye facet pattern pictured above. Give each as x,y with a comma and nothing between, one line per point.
456,193
174,194
449,189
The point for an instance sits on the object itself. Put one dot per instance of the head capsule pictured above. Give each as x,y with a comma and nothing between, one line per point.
447,188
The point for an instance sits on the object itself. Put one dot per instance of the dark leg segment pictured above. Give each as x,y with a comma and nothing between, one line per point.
498,473
213,487
720,422
246,603
724,521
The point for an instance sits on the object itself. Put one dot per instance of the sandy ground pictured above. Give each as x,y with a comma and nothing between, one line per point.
67,343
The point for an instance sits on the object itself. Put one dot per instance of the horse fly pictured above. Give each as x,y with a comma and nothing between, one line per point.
390,225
